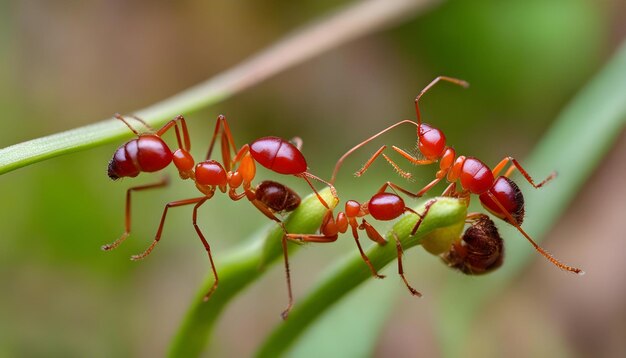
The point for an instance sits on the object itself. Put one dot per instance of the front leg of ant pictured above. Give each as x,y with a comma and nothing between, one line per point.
400,251
374,236
411,158
121,239
206,246
370,161
172,204
515,164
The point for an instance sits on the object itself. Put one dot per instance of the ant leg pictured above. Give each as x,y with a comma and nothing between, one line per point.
172,204
419,194
353,149
411,158
374,236
285,313
227,139
307,175
116,243
206,246
400,251
543,252
121,118
406,175
369,162
148,126
422,215
456,81
174,122
516,164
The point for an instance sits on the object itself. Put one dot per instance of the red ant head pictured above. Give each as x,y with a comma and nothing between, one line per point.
479,251
210,173
148,153
432,141
509,195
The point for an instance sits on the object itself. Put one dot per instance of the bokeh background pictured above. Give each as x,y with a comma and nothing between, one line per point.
66,64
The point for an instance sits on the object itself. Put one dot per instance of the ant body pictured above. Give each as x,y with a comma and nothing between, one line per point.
382,206
149,153
498,194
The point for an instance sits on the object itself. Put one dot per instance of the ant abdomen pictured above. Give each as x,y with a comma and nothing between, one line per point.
277,196
479,251
509,195
148,153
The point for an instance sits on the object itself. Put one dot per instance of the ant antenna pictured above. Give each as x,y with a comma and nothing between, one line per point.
456,81
343,157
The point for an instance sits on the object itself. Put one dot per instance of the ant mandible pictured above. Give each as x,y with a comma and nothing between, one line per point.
498,194
149,153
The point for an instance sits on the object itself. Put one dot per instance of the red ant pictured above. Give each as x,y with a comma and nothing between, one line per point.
381,206
500,196
149,153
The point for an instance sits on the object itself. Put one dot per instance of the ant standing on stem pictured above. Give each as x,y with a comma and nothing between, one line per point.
500,196
149,153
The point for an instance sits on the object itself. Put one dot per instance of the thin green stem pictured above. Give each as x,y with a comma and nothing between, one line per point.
445,219
239,269
347,24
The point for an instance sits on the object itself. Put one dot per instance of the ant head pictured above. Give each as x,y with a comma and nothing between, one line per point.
432,141
509,196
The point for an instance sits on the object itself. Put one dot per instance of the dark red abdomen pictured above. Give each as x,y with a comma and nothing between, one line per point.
476,176
386,206
509,195
148,153
278,155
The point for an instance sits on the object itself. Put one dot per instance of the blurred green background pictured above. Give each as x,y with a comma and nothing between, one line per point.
66,64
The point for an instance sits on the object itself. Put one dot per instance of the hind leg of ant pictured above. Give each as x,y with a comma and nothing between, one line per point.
516,165
185,143
511,220
127,221
227,142
157,237
206,246
374,235
400,251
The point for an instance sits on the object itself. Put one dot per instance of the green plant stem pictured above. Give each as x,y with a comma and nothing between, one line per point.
237,271
445,219
347,24
575,145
